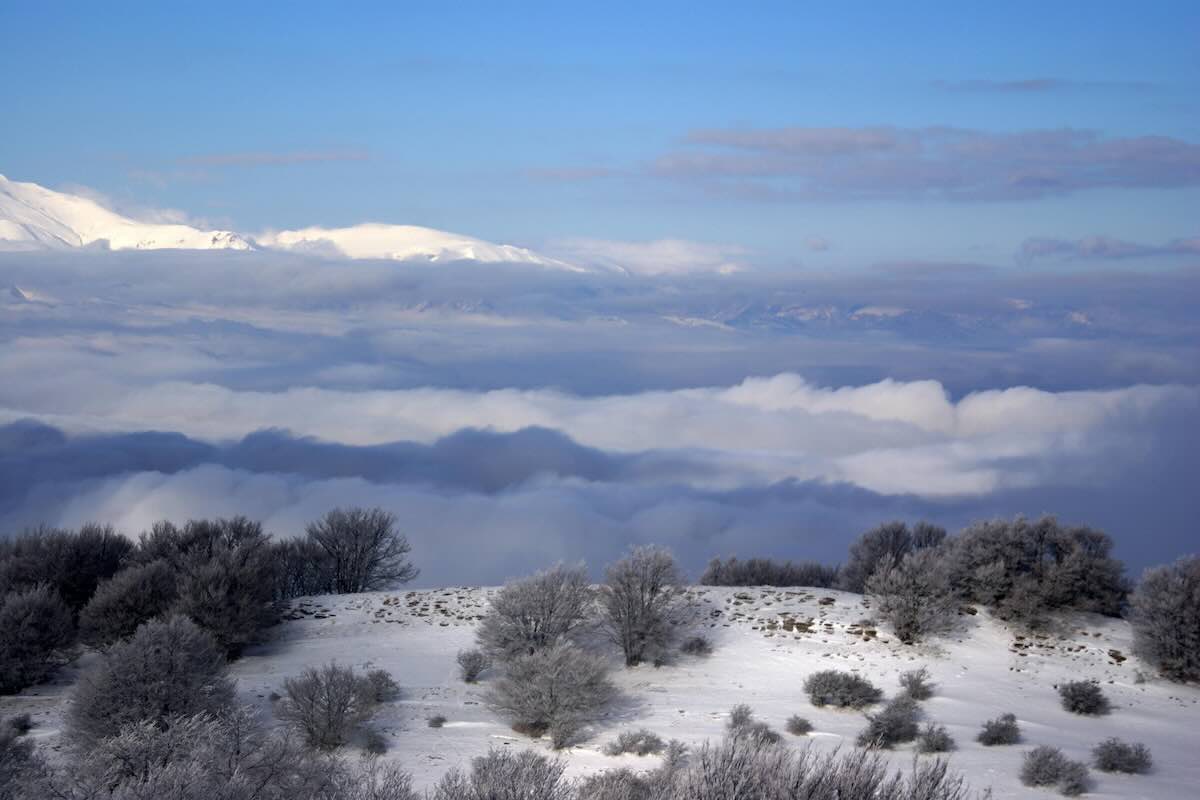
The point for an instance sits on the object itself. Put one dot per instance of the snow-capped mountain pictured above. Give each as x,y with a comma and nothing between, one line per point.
33,217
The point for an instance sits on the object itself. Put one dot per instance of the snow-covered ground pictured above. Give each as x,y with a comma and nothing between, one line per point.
766,641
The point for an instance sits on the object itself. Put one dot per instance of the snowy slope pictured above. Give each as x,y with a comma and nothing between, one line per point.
33,217
767,641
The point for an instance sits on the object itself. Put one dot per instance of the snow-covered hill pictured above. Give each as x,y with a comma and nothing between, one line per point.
33,217
766,641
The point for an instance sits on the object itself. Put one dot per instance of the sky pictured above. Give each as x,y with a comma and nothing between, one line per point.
818,138
877,261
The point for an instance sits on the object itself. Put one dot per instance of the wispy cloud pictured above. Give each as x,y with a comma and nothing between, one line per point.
658,257
1103,248
273,159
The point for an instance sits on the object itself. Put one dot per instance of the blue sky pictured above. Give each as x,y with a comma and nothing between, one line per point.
530,123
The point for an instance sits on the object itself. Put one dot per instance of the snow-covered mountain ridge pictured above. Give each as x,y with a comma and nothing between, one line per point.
35,218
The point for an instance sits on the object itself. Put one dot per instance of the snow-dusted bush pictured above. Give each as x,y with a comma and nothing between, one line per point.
1083,697
798,725
536,612
1165,614
884,546
70,563
832,687
742,724
21,723
122,603
896,723
641,742
914,596
327,704
696,646
614,784
639,598
436,721
935,739
505,775
381,686
168,668
916,683
766,572
374,742
1001,730
1027,570
1047,766
17,764
36,633
1114,755
556,689
363,549
471,664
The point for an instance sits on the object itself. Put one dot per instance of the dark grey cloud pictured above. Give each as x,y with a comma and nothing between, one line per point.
942,163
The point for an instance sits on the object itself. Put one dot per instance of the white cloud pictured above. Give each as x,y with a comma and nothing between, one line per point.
658,257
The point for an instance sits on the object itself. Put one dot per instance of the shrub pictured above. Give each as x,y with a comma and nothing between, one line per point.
896,723
614,784
364,550
639,597
122,603
916,684
71,564
536,612
471,664
21,723
696,646
374,742
641,742
765,572
436,721
1083,697
1114,755
36,633
842,689
327,704
1047,766
168,668
914,596
1001,730
935,739
557,689
505,775
798,725
1165,614
742,724
884,546
17,764
381,686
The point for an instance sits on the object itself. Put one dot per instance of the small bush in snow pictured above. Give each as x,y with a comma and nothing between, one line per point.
122,603
36,633
374,742
21,723
17,764
842,689
327,704
168,668
436,721
471,664
766,572
1165,614
916,683
1114,755
1001,730
896,723
696,646
639,597
742,724
505,775
798,725
935,739
381,686
1083,697
614,784
1047,766
640,743
557,690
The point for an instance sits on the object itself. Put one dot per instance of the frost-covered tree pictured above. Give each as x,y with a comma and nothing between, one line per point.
1165,614
328,704
914,596
168,668
766,572
36,633
536,612
364,550
884,546
122,603
71,563
639,597
505,775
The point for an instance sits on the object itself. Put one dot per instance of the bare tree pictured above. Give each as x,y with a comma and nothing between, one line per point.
914,596
327,704
168,668
536,612
639,596
364,549
556,689
36,633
